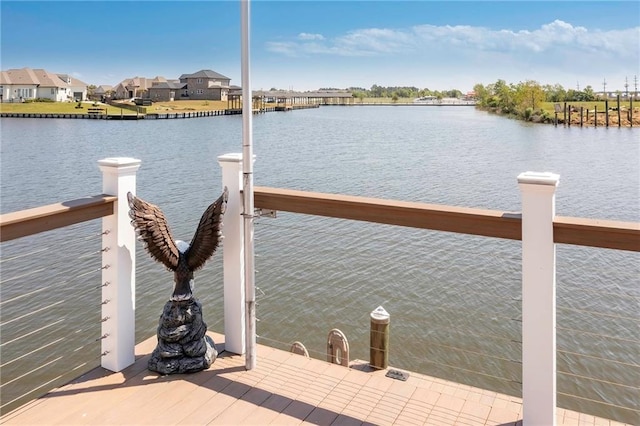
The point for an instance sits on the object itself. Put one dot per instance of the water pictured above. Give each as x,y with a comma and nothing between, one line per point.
453,299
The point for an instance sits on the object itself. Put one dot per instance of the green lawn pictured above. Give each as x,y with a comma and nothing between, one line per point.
549,106
59,108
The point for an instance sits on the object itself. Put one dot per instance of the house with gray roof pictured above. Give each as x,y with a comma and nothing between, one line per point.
17,85
169,90
101,92
206,85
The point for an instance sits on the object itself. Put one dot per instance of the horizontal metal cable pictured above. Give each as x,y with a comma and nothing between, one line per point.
51,286
419,359
599,402
431,343
32,313
468,370
31,372
628,364
479,312
23,275
573,330
620,294
32,332
343,264
32,352
600,314
491,336
566,373
43,385
364,330
23,255
31,293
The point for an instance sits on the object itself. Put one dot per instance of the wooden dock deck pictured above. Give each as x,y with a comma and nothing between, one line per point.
284,388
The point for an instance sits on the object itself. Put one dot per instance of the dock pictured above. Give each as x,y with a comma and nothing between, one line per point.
284,388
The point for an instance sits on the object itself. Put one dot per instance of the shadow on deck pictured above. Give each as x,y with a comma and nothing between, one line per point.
284,388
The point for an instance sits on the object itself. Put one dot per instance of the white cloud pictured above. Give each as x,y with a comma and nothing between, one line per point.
459,56
556,36
307,36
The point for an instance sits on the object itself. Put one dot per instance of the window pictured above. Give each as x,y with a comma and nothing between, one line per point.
199,81
53,91
199,91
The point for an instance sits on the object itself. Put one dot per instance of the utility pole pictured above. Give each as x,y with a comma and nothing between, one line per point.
626,87
578,86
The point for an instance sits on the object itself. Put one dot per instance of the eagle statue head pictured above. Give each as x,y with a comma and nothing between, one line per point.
178,256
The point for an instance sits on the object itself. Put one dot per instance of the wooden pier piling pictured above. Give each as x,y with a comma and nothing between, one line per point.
379,339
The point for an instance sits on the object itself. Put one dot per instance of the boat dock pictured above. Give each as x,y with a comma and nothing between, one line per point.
284,388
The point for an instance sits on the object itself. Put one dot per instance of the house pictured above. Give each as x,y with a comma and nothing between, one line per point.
169,90
132,88
206,85
18,85
101,92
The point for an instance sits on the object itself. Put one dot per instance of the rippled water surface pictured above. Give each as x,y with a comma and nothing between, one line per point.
454,299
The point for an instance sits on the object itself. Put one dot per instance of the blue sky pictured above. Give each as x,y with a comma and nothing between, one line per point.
305,45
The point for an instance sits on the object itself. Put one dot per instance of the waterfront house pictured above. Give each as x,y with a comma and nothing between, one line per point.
136,87
101,92
167,91
18,85
206,85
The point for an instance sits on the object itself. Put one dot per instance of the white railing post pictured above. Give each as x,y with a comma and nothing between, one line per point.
538,298
233,255
118,266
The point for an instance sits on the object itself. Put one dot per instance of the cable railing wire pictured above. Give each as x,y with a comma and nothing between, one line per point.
602,314
69,373
577,354
37,311
26,274
32,332
344,264
619,294
590,333
359,282
19,256
474,312
38,349
608,382
598,402
5,383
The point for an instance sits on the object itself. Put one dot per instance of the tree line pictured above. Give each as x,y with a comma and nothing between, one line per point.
525,99
397,92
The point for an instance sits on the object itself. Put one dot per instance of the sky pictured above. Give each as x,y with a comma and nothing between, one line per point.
307,45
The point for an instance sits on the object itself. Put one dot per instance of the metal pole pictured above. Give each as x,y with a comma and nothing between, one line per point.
247,187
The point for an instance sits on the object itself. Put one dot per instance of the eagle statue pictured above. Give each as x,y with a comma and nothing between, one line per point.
178,256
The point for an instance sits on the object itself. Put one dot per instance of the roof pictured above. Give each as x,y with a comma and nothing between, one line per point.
103,88
169,85
38,77
205,74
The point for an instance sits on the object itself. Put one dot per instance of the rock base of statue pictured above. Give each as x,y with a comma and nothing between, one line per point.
183,346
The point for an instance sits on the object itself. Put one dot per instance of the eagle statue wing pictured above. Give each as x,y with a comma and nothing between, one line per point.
208,234
152,228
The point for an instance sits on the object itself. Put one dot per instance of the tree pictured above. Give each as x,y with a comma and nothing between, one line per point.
482,95
528,95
